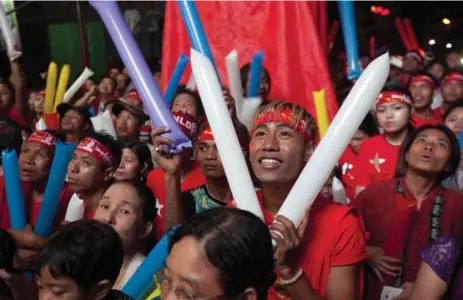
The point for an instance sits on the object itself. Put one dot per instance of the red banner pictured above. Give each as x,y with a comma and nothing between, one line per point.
284,30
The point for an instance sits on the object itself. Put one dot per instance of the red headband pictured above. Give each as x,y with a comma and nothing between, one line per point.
422,78
133,95
41,93
42,138
284,117
454,76
391,97
206,134
97,150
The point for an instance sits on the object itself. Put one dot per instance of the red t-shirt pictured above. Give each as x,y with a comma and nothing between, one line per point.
376,161
16,116
33,207
347,163
334,237
155,182
438,112
435,120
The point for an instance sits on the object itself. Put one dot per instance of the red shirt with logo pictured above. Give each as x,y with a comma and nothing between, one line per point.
334,237
33,207
156,183
376,161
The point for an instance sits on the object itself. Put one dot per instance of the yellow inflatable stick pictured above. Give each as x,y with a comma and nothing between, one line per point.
322,112
50,89
62,85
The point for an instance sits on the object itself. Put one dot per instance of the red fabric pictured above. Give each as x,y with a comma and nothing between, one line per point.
293,54
334,237
52,121
435,120
33,206
323,25
348,163
376,206
376,161
155,182
15,116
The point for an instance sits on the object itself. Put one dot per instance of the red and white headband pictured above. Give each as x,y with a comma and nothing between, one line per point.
97,150
393,97
42,138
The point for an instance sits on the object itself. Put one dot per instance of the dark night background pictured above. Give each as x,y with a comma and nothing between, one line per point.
426,17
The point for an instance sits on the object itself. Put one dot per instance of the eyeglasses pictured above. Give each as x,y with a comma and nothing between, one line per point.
180,294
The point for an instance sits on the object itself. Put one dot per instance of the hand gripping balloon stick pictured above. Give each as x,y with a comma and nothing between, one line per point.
336,139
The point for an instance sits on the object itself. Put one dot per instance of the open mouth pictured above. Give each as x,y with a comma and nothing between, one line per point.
269,163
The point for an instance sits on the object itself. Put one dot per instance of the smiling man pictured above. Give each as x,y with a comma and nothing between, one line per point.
323,261
91,169
421,87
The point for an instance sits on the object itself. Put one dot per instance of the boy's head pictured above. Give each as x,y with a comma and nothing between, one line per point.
80,262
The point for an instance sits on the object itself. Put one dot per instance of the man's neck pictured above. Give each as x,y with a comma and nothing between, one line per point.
105,97
418,185
424,113
219,189
274,194
396,138
38,188
73,138
92,198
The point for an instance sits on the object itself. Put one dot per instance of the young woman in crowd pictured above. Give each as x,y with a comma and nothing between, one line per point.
377,157
136,162
128,207
403,214
453,119
220,253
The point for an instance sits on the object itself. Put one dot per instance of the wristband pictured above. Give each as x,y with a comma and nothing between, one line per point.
291,280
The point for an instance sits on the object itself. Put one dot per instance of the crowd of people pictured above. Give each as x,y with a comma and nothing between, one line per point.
398,228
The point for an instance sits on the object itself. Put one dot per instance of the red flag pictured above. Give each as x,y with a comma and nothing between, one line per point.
284,30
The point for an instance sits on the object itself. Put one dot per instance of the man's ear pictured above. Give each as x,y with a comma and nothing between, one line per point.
101,290
309,149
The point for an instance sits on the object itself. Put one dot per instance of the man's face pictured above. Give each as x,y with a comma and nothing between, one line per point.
411,64
452,91
85,172
106,87
421,93
453,60
208,157
127,125
5,96
72,122
278,153
34,162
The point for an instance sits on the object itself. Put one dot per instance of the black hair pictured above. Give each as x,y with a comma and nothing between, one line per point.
452,163
143,153
459,104
58,135
422,73
146,196
85,251
399,89
109,142
369,126
244,73
114,82
182,89
434,62
237,244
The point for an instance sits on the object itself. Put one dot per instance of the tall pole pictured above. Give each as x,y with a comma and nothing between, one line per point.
83,40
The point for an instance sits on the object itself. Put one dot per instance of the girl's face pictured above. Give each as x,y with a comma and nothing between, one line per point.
121,208
454,121
38,104
129,168
393,117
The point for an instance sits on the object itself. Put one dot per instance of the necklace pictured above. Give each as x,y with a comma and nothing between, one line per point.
217,198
